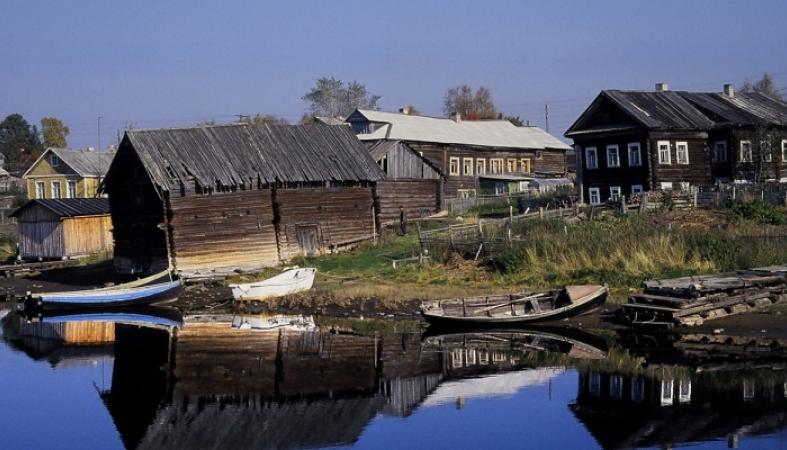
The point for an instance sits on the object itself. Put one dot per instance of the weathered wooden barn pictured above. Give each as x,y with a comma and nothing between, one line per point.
208,200
632,141
462,150
63,228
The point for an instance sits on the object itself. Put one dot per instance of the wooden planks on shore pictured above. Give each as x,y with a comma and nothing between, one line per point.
694,300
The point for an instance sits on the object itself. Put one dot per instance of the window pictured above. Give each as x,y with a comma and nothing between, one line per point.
384,164
636,189
40,189
638,389
784,150
613,159
685,186
72,189
635,156
616,386
666,186
456,358
483,357
453,166
470,357
666,392
56,189
511,165
591,161
467,167
54,161
684,391
500,188
664,152
480,166
539,154
720,151
466,193
524,164
748,389
767,153
682,152
594,384
614,192
594,196
746,155
496,164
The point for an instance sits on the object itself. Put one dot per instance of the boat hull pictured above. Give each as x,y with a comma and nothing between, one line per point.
583,306
288,282
141,296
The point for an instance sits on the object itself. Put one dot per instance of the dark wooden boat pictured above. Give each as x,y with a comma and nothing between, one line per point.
519,308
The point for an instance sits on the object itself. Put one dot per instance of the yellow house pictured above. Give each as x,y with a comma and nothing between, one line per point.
64,173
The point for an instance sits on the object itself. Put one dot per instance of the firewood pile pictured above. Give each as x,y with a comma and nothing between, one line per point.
694,300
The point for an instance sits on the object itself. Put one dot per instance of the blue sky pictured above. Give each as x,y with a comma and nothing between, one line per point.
173,63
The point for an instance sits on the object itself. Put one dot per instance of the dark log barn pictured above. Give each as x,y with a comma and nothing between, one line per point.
63,228
632,141
209,200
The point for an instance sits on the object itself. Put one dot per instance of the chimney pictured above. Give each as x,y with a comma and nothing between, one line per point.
729,91
405,110
662,87
456,117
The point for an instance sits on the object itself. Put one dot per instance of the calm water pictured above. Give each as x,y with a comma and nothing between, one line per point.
75,383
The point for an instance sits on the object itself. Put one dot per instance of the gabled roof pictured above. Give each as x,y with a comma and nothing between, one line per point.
744,108
87,163
243,154
380,148
69,207
482,133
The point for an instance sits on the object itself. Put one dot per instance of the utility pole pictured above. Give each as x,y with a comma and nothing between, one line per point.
546,116
98,132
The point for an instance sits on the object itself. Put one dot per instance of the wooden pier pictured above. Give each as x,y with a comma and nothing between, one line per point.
694,300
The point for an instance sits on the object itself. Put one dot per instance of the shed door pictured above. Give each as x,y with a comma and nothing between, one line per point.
308,237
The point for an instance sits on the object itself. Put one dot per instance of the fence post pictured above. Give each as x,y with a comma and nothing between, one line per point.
733,193
541,212
695,199
623,208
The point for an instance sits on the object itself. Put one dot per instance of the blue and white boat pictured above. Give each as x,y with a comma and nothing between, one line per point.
141,292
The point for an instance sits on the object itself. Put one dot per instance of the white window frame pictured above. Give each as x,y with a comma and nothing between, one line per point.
668,160
40,189
508,165
597,192
615,192
499,162
616,150
750,158
59,189
685,186
453,169
784,150
467,163
720,147
636,189
667,186
69,185
54,160
684,390
480,166
635,148
684,146
523,162
588,151
539,155
667,392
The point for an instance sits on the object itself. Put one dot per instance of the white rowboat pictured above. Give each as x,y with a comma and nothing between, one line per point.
288,282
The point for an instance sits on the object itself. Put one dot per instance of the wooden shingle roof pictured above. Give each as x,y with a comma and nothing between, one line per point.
244,154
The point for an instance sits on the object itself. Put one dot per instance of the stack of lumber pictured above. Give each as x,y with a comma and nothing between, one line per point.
694,300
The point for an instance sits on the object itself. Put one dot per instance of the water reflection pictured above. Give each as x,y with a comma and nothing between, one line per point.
206,383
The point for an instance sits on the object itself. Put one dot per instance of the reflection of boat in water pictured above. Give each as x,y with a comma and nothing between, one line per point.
273,322
145,291
520,308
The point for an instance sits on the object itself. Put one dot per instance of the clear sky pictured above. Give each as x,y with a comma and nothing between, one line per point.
174,63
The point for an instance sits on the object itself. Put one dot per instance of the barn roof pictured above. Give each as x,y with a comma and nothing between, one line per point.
233,155
68,207
482,133
744,108
660,110
87,163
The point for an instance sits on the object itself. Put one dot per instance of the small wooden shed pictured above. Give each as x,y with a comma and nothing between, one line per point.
63,228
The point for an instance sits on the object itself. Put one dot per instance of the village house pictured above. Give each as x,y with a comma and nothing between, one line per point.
628,142
461,152
63,228
65,173
216,199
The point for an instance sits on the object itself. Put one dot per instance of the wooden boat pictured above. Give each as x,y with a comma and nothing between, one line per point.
159,317
274,322
523,307
288,282
145,291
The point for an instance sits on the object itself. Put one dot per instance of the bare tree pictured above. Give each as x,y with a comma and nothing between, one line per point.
335,98
764,86
472,105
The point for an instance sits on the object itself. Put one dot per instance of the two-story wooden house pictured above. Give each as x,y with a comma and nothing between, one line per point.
65,173
464,151
628,142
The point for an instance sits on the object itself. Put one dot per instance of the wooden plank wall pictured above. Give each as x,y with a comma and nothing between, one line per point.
223,231
87,235
341,213
403,163
75,333
415,196
41,240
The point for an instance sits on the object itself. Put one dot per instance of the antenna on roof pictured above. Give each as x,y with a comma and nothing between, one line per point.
546,116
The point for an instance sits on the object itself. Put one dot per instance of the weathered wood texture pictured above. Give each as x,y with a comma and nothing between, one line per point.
74,333
42,234
398,160
232,230
87,235
418,198
312,220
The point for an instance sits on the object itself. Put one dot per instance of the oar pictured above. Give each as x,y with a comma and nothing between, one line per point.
519,300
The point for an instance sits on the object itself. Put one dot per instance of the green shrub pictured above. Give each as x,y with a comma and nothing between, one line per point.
759,211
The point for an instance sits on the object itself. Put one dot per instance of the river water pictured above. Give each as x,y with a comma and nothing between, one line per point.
149,380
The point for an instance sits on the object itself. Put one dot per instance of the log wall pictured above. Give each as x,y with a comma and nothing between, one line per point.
223,231
419,198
